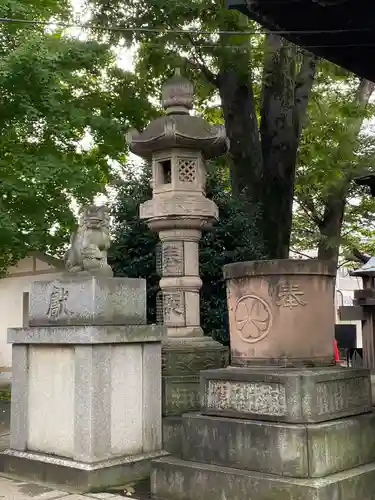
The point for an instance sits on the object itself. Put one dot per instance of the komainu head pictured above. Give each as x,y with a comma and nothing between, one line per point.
94,217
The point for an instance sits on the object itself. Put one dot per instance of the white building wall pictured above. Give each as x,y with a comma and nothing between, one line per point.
14,291
344,291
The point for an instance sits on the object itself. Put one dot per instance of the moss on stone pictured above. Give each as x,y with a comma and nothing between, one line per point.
5,395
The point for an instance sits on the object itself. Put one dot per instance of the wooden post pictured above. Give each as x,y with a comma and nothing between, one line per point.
368,342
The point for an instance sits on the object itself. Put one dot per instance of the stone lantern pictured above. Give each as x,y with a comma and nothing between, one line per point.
177,145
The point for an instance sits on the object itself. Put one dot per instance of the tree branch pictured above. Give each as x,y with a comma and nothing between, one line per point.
362,97
301,253
198,62
307,205
357,255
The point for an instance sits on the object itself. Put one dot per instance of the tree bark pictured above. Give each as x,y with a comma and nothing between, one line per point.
284,102
330,227
245,154
263,158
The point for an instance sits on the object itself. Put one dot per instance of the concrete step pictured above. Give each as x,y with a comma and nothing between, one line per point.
295,450
176,479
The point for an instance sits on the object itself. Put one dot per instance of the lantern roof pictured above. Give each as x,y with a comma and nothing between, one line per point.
367,269
177,128
367,180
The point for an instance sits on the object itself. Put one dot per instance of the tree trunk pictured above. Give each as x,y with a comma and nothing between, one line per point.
334,210
245,155
263,161
330,228
284,103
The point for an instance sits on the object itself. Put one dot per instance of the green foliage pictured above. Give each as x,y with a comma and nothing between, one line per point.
330,153
132,253
5,395
334,150
233,239
55,92
161,50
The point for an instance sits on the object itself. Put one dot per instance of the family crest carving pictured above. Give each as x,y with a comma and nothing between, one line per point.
90,243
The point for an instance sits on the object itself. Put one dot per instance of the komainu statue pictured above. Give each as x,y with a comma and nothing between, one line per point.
90,243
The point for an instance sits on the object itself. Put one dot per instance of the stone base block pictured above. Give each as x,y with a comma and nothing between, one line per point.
289,395
182,361
175,479
88,300
87,402
180,395
172,435
79,476
314,450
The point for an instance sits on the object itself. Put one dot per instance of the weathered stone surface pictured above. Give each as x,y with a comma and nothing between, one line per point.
98,401
189,356
86,300
246,444
182,361
172,435
11,489
77,475
175,479
290,395
313,450
180,395
128,334
272,308
341,444
98,389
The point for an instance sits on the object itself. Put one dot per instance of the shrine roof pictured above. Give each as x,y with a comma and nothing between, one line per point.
342,31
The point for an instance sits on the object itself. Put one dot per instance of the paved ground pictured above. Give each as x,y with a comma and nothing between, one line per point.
11,489
14,489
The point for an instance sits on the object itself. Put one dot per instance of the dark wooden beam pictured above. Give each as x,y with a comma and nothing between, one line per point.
351,313
340,31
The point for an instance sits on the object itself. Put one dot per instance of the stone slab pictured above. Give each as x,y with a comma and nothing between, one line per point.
88,301
172,435
289,395
175,479
180,394
16,489
182,361
295,450
13,489
189,356
87,334
80,477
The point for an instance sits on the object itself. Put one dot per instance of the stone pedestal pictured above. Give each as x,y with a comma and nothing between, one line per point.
268,429
182,361
86,399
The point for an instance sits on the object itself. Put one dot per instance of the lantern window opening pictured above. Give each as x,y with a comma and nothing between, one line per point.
166,171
